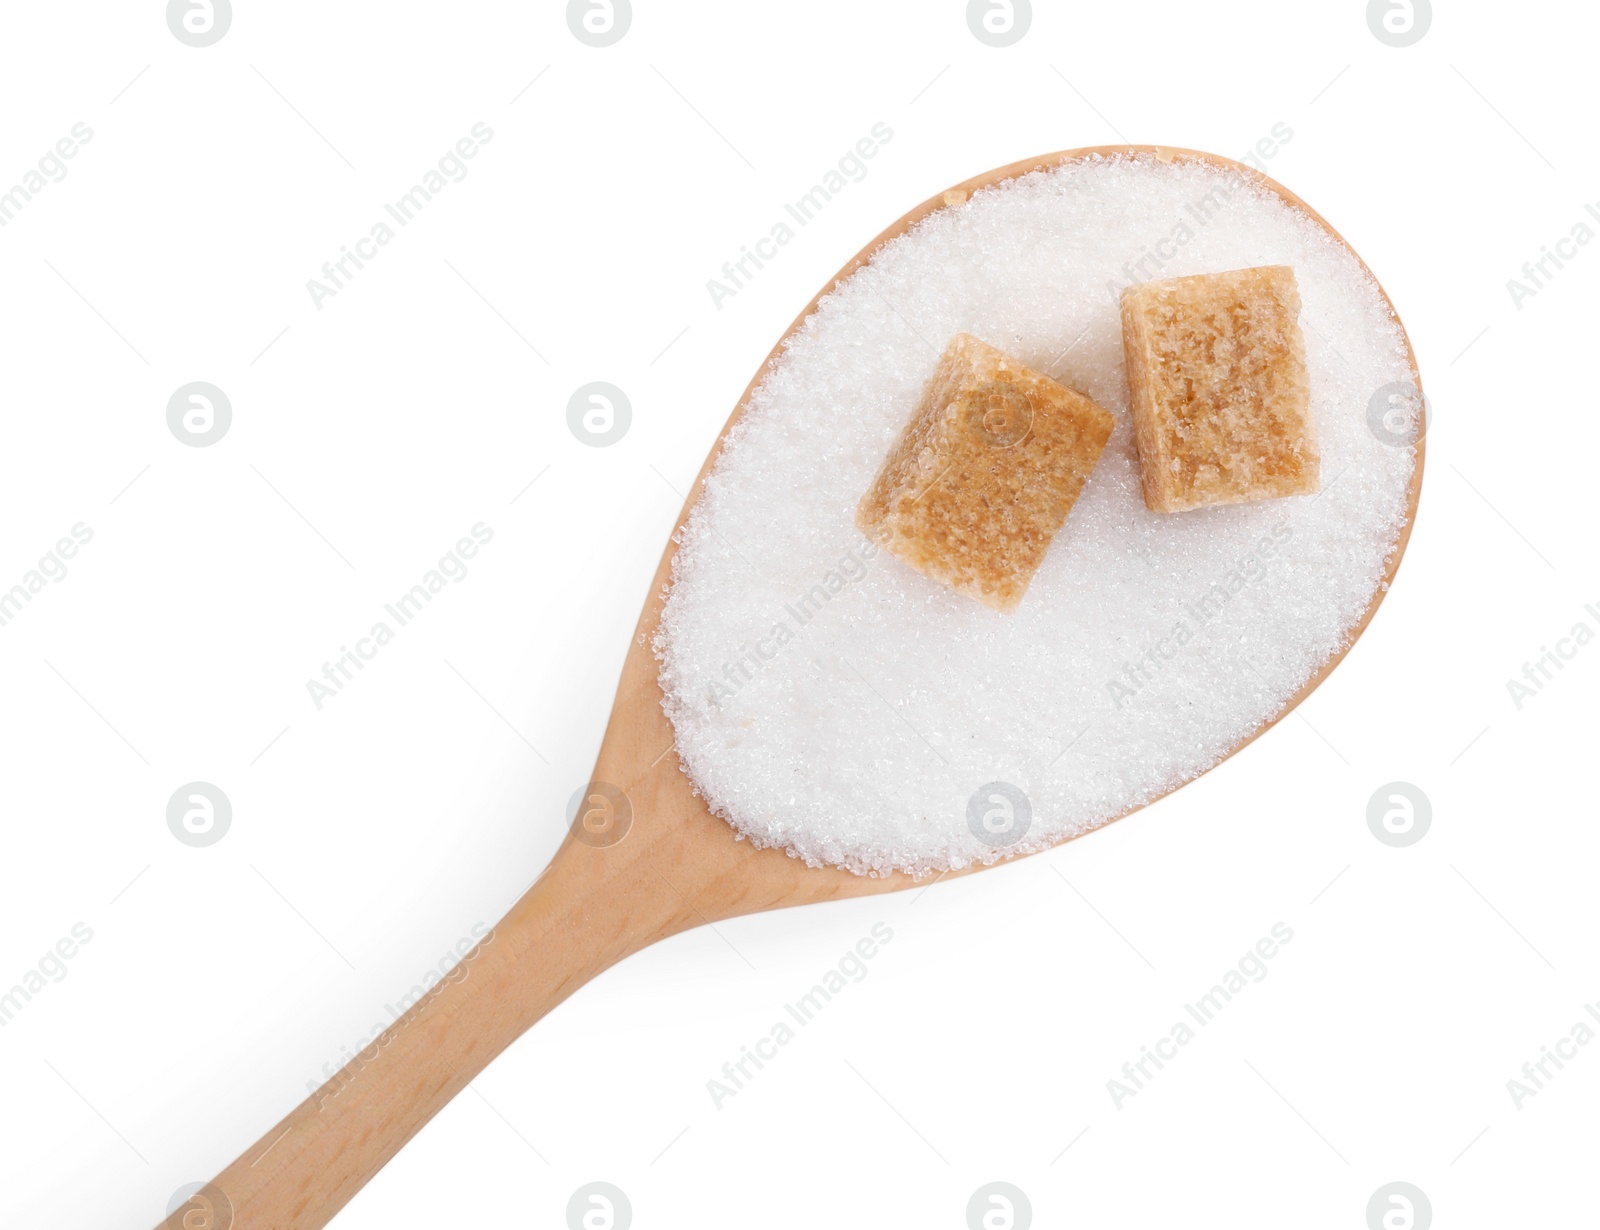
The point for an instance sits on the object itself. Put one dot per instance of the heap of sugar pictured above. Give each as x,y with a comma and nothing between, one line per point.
830,700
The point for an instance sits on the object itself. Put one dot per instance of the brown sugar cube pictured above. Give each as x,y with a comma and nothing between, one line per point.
984,473
1221,400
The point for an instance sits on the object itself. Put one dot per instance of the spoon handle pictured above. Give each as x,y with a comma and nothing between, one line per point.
645,860
561,933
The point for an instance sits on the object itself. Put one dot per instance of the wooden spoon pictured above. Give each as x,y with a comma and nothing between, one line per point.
645,863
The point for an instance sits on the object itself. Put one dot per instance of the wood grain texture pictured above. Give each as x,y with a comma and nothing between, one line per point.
677,867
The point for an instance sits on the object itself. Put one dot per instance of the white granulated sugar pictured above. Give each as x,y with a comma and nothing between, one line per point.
853,727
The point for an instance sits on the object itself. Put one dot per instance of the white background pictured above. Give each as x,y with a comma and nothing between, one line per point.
369,836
